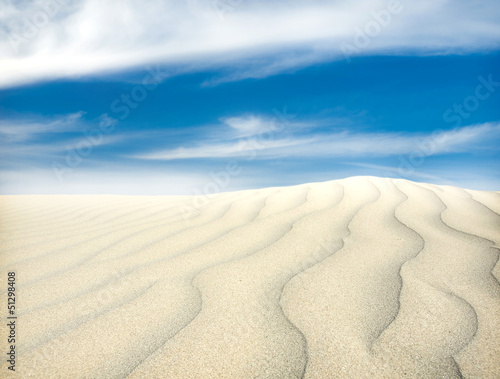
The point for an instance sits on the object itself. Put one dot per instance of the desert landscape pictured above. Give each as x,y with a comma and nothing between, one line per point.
354,278
207,189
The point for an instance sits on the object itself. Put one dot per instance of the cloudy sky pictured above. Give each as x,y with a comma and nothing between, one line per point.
192,96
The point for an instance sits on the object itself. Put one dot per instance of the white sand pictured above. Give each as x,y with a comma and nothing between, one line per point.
357,278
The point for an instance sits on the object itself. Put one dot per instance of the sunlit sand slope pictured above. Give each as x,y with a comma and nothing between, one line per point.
357,278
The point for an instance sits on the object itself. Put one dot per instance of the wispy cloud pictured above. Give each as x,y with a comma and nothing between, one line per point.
246,126
28,137
258,38
335,144
223,150
20,130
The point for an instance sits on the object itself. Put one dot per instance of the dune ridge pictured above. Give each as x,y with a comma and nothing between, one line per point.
360,277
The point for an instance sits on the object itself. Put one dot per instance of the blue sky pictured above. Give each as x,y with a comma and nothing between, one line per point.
191,97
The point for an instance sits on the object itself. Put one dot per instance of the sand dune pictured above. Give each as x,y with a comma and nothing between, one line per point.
358,278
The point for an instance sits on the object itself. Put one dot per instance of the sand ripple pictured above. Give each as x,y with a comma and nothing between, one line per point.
362,277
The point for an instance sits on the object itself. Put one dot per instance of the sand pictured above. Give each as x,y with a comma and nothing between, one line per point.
357,278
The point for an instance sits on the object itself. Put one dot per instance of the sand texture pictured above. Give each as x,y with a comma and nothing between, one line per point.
357,278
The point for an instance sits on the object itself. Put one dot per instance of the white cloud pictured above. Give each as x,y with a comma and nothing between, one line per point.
449,141
244,147
336,144
259,38
246,126
20,130
25,138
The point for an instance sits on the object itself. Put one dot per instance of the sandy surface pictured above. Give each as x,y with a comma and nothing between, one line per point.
356,278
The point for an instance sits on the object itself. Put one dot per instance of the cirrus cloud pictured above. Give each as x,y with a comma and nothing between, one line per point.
257,39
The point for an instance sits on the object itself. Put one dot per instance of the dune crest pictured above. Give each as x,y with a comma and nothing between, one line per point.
361,277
